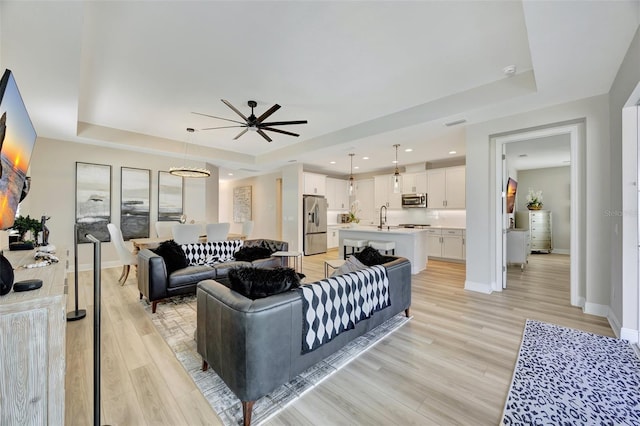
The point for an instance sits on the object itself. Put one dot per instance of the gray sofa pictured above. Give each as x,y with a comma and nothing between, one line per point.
155,284
255,345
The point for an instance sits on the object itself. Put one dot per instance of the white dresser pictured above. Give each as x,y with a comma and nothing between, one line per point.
32,345
539,223
518,247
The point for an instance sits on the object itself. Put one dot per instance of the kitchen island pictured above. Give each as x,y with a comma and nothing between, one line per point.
410,243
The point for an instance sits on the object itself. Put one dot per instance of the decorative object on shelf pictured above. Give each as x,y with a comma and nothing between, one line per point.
353,212
189,171
6,275
397,179
23,225
534,200
45,230
351,175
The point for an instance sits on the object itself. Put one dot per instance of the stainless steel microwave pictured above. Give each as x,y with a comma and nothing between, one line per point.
414,200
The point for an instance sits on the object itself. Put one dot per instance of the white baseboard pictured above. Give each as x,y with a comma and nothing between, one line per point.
561,251
581,302
596,309
614,323
629,334
479,287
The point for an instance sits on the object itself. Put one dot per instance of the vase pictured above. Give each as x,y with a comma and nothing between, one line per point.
535,207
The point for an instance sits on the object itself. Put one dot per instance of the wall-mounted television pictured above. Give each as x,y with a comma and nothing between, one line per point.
17,137
512,187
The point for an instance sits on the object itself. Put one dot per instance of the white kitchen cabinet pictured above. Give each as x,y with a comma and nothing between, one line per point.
315,184
337,194
414,183
446,188
384,195
364,194
332,236
446,243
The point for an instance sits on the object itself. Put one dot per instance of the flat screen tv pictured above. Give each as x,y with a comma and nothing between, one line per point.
512,186
17,137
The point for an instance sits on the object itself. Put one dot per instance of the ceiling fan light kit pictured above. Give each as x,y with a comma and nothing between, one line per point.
253,123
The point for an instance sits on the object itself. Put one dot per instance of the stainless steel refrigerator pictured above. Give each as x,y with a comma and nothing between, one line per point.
314,222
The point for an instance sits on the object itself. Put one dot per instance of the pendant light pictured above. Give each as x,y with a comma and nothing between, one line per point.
397,179
351,176
189,171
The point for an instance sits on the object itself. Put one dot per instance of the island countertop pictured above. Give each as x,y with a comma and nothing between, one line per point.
409,242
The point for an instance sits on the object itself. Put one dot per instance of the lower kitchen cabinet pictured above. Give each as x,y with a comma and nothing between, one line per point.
446,243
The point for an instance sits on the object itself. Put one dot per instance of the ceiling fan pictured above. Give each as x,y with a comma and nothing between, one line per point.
253,123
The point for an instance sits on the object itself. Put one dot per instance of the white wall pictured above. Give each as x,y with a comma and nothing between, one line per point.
623,219
263,204
52,171
554,182
481,225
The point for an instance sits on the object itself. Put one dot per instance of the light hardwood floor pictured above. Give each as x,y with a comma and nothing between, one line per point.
451,364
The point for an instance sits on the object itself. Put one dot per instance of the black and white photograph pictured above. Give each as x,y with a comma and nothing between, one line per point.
93,201
135,194
169,197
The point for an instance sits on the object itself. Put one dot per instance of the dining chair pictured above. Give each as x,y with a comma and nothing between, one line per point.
218,231
186,233
126,256
247,229
164,229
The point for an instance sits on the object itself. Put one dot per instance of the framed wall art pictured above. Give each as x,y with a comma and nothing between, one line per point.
170,199
93,201
135,195
241,204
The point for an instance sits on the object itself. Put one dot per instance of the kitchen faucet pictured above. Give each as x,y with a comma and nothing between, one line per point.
383,219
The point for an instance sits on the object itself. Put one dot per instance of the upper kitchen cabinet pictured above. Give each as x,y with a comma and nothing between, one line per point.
414,183
384,195
446,188
315,184
364,194
337,194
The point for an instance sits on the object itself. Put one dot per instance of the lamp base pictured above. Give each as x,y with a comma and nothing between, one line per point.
76,315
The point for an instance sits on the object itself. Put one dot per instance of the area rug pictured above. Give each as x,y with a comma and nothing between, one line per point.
567,376
175,320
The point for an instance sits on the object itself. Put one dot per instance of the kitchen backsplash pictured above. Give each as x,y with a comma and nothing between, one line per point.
454,218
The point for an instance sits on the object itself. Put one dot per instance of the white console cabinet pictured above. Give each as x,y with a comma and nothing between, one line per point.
518,248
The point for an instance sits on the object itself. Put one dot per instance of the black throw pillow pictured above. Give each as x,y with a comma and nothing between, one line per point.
249,254
370,257
256,283
173,255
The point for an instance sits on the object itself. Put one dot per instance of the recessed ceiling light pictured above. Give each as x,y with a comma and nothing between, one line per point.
453,152
356,167
365,158
292,161
332,162
455,122
394,161
509,70
408,150
230,174
523,155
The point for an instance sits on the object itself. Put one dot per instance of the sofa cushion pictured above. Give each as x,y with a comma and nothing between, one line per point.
250,254
256,283
370,257
191,275
172,254
352,264
222,269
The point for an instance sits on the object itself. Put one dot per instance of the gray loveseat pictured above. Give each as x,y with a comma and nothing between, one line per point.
155,284
256,345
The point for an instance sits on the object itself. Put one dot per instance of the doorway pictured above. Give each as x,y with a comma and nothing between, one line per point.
572,132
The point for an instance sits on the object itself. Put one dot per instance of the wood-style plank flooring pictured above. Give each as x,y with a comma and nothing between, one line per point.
451,364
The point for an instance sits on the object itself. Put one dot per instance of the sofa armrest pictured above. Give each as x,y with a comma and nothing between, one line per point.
247,342
273,245
152,275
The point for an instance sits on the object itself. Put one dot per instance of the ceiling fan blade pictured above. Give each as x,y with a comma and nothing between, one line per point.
222,127
264,135
241,133
283,123
268,112
219,118
227,103
271,129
